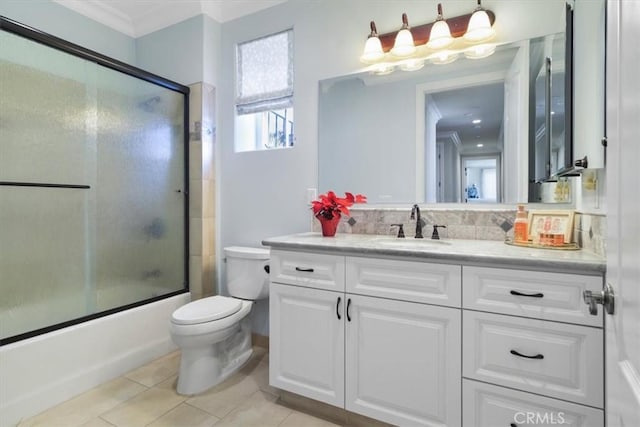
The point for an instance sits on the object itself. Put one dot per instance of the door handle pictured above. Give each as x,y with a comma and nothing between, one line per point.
348,307
606,297
304,270
338,308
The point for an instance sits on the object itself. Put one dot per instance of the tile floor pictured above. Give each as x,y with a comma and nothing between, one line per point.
147,397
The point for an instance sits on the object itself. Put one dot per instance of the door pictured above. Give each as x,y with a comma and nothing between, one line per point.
516,127
403,362
623,237
306,354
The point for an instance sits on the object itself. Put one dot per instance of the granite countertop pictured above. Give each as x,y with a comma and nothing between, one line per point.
474,252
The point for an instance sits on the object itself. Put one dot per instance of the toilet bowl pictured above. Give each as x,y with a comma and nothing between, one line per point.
214,333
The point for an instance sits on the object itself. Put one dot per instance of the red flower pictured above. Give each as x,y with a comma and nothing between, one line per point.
328,205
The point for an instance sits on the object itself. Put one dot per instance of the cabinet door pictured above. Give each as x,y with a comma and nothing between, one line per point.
306,354
403,361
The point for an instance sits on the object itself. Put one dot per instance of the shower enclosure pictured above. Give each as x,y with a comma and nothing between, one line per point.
93,184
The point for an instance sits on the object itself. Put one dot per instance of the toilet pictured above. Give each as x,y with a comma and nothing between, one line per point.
214,333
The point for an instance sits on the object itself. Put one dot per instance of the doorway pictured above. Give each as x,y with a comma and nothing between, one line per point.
481,177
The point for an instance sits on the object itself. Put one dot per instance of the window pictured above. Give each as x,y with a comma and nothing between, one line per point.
264,93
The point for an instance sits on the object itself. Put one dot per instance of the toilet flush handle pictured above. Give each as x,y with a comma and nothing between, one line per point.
267,269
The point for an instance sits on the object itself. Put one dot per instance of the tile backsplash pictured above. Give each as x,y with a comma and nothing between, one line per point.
478,224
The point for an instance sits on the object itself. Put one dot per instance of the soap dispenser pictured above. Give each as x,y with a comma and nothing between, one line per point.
521,226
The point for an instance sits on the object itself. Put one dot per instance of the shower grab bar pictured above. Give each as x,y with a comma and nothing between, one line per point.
40,184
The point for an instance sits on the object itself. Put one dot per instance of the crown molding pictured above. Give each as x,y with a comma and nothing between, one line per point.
162,14
101,12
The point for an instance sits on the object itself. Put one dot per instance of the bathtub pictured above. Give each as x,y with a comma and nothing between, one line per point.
40,372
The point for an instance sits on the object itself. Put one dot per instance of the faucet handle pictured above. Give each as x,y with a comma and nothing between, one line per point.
400,230
435,235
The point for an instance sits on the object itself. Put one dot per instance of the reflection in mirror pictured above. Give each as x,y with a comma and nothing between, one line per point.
469,140
406,137
380,135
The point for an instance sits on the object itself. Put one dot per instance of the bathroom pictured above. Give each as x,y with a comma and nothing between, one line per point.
195,46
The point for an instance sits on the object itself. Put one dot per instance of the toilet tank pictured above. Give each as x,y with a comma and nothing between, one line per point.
247,277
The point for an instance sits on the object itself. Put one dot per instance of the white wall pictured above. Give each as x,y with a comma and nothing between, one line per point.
262,194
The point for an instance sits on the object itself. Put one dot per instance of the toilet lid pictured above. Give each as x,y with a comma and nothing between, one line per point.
206,310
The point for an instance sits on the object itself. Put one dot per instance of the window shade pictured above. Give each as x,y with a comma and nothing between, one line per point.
264,72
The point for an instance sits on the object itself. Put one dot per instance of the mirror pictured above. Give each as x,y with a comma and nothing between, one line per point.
455,133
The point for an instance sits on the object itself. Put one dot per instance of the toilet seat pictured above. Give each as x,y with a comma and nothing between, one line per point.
206,310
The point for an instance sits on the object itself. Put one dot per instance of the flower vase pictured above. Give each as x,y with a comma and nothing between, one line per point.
329,225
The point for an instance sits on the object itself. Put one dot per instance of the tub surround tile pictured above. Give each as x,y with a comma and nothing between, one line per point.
202,277
196,232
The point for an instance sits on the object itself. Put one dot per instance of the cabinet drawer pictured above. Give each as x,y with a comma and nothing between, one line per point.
405,280
318,271
489,405
536,294
559,360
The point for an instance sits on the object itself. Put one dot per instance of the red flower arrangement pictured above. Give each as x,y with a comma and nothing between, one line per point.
329,208
329,205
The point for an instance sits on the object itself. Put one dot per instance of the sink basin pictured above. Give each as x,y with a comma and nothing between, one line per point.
409,242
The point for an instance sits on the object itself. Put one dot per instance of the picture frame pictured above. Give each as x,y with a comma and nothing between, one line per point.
552,222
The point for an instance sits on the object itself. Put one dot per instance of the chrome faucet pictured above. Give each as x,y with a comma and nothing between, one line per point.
415,214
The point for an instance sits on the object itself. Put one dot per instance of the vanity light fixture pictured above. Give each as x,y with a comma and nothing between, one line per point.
479,28
476,121
479,145
373,48
439,42
440,35
404,45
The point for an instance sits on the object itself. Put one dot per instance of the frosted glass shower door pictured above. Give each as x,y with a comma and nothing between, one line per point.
139,198
46,106
93,187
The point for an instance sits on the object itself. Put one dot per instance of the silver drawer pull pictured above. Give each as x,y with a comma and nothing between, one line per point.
537,356
520,294
304,270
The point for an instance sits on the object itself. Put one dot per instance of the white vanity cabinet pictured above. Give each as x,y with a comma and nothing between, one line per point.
392,360
479,342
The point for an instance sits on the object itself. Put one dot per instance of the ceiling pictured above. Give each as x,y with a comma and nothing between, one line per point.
136,18
460,107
